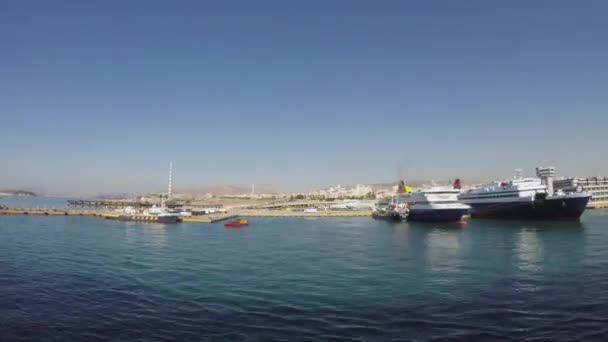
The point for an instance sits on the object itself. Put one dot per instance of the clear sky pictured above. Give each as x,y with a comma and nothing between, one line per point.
98,96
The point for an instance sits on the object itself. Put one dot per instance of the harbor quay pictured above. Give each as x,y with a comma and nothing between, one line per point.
106,215
210,218
287,213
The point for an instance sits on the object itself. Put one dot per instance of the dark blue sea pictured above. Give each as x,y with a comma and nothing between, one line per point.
89,279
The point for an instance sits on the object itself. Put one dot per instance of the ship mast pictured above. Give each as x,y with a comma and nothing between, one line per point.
170,180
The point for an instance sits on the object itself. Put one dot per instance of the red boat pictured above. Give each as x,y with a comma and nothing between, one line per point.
236,224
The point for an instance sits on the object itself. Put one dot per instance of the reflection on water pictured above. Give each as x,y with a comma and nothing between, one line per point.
400,236
444,252
149,234
529,251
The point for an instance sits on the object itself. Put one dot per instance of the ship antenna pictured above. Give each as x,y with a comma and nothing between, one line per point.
170,179
518,173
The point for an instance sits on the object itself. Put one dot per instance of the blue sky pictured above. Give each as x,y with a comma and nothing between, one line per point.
99,96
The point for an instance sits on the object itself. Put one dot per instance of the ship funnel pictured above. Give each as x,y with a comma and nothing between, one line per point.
546,177
402,188
457,184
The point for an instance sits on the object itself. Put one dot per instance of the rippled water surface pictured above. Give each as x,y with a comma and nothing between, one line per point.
78,278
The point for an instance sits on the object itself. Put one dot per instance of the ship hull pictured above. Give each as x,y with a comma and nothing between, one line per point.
437,215
550,208
149,218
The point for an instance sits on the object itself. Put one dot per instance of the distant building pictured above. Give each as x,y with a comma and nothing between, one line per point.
596,186
142,199
341,192
385,193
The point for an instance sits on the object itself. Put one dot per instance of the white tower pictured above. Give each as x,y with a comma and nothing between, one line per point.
546,177
170,180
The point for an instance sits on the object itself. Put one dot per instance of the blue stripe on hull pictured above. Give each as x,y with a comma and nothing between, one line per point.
436,215
548,209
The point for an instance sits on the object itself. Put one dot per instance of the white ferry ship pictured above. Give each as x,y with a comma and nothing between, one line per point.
436,204
525,198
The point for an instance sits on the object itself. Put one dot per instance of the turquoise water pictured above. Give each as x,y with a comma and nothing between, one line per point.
79,278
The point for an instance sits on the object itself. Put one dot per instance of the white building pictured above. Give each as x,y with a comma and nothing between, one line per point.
596,186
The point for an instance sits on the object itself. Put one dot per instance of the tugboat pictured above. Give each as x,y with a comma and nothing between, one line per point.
526,198
387,213
393,210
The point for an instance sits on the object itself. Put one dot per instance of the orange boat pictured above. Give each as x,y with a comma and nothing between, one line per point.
236,224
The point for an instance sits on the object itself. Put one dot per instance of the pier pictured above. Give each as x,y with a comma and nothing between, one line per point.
319,214
208,218
109,203
212,218
107,215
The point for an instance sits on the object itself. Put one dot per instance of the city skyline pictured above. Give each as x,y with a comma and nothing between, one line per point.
242,190
98,97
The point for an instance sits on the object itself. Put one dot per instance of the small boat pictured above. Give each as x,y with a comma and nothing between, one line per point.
388,212
152,215
236,224
387,215
181,212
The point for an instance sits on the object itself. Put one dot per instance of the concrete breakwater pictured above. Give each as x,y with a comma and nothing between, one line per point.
285,213
192,219
107,215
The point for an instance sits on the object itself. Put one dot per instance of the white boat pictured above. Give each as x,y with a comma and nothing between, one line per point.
153,215
525,198
436,204
180,212
154,210
353,205
389,211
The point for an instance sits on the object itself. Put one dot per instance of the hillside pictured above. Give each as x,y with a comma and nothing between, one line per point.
18,193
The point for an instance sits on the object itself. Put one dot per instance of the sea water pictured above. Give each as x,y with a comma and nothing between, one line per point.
85,278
